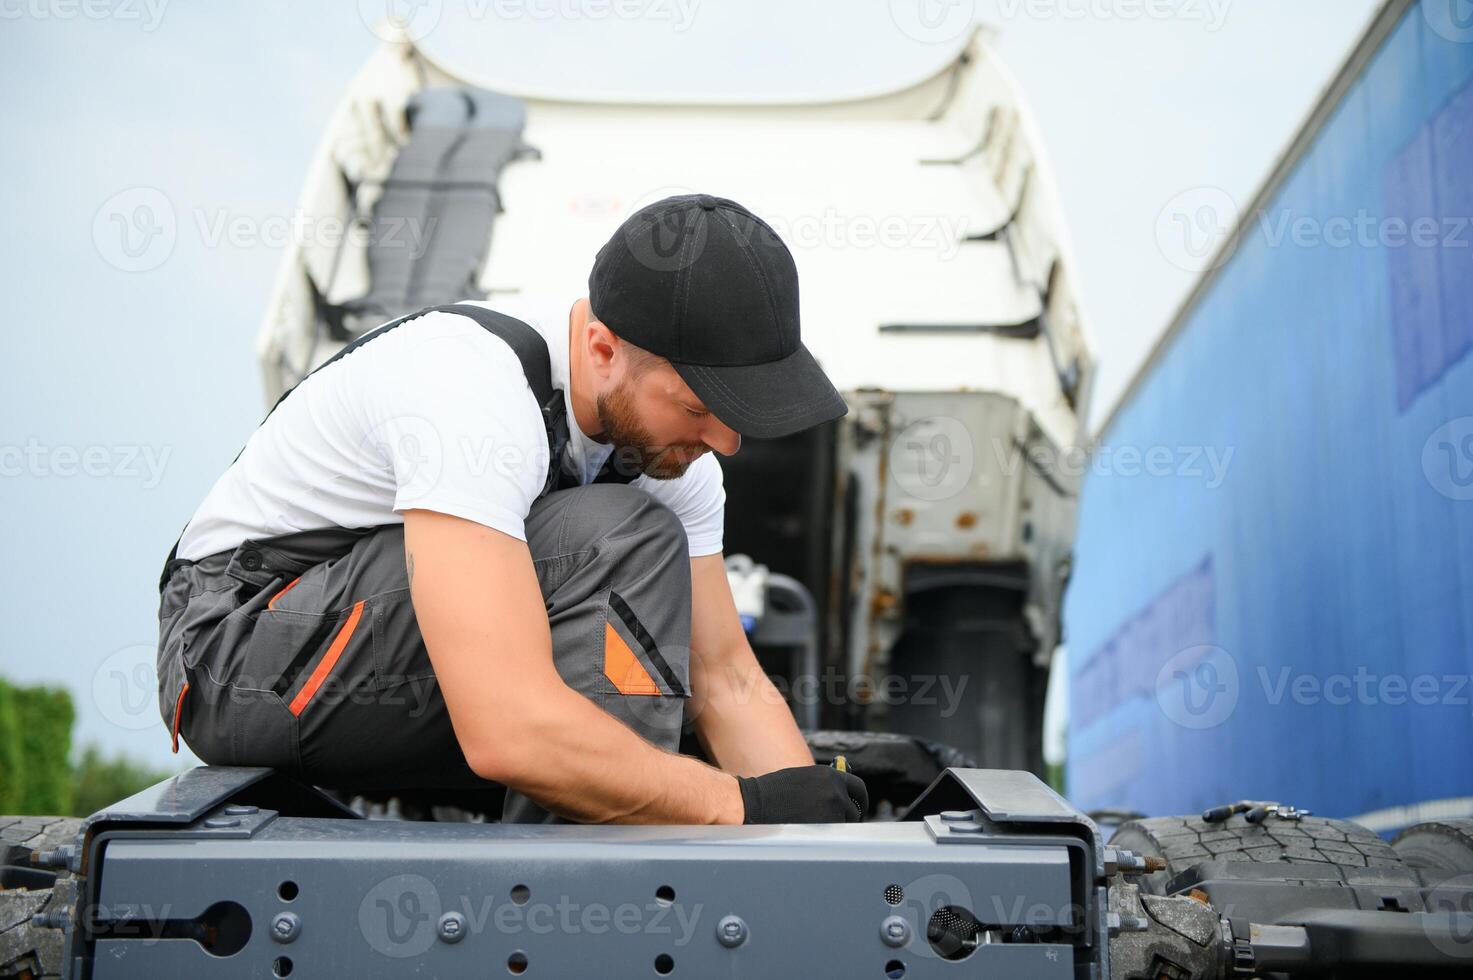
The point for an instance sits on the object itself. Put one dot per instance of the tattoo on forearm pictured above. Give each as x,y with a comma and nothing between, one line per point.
409,565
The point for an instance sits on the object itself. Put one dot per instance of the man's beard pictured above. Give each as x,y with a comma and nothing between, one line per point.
634,451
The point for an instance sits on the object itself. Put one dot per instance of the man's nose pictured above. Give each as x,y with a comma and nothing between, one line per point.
721,437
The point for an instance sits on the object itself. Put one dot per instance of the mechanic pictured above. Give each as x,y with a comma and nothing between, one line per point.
454,555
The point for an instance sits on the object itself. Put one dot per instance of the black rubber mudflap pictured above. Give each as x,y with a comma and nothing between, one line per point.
967,678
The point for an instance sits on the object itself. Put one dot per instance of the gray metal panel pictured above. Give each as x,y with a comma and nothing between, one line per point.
181,799
371,892
1006,795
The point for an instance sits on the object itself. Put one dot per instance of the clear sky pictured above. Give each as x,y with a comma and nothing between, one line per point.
126,393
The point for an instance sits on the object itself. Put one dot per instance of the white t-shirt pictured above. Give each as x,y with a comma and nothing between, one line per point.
436,414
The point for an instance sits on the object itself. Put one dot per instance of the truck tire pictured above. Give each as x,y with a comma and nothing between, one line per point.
28,949
1183,842
1438,845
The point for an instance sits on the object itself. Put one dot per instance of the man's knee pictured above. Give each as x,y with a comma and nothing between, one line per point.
603,512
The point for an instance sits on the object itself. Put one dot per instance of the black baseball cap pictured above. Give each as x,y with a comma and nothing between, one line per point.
709,286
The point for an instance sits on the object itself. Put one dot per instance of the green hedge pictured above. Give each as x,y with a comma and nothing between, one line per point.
35,749
101,782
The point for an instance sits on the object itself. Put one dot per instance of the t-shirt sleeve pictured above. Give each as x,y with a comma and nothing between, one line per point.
461,429
698,498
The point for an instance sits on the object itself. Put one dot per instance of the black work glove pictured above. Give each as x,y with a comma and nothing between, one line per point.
804,794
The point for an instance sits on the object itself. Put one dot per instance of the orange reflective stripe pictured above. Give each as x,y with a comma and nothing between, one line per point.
178,707
272,603
324,667
623,668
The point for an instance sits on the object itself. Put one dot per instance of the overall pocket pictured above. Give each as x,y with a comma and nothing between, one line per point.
399,654
642,683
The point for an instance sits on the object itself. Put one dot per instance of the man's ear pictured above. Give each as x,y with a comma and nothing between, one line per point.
602,345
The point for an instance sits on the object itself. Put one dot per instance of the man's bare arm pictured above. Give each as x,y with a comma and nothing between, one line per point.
484,623
741,719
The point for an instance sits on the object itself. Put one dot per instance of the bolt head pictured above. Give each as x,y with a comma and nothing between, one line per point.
286,927
895,931
451,927
731,931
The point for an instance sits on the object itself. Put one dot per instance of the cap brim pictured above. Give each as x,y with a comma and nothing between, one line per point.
766,401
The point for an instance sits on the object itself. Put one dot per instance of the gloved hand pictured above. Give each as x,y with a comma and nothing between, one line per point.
804,794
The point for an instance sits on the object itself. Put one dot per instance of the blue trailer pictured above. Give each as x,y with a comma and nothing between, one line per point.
1273,589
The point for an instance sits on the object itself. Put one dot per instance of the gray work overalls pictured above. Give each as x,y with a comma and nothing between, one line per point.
301,652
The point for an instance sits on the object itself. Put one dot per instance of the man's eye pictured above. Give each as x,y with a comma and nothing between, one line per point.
695,414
